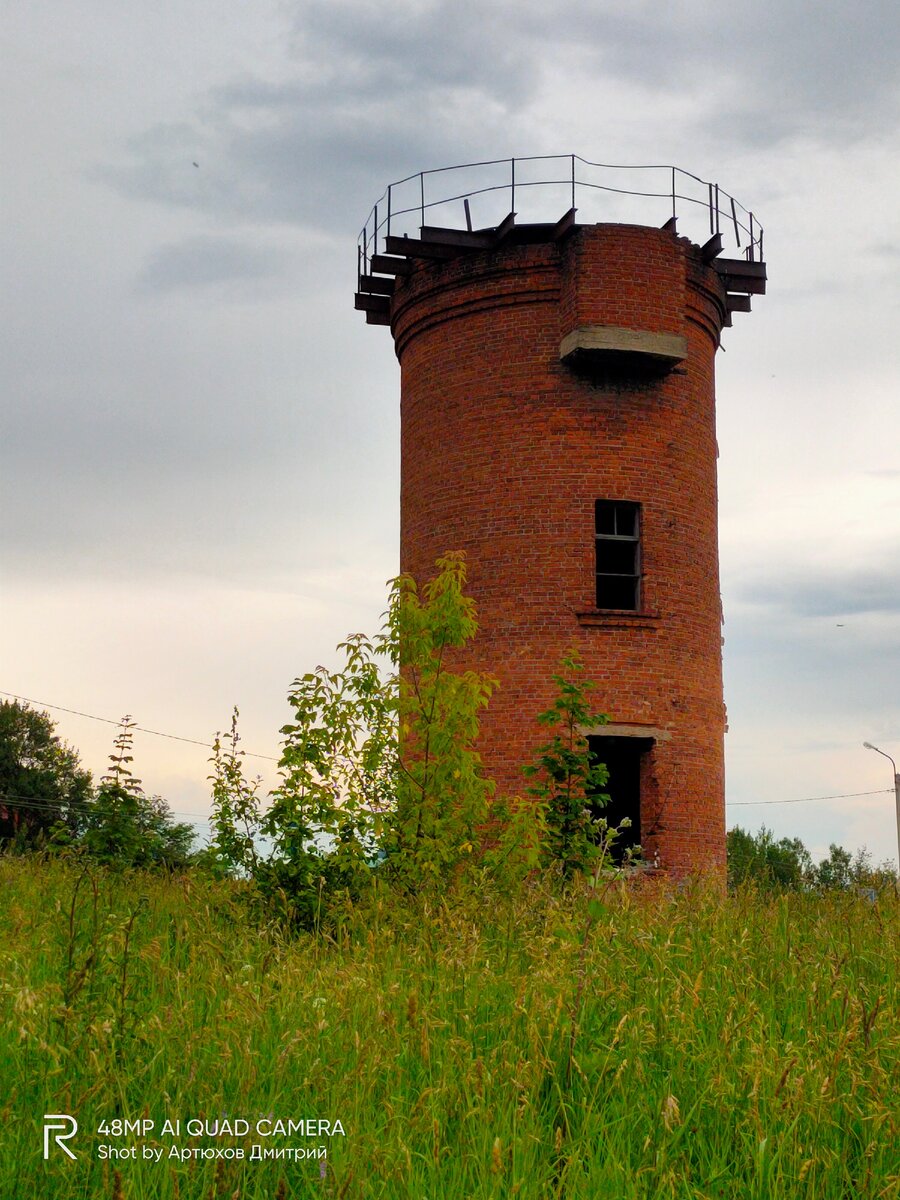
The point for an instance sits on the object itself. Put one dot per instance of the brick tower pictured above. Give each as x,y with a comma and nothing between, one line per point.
558,424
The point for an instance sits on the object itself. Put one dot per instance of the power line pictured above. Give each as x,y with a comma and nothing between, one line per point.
174,737
269,758
48,804
806,799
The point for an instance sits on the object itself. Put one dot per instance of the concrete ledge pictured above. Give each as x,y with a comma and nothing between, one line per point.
606,618
598,341
622,730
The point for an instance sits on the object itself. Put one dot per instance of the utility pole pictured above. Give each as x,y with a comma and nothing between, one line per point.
869,746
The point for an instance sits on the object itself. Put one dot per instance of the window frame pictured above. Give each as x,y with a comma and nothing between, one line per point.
635,522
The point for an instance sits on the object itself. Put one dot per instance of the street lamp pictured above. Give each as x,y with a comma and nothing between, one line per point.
869,746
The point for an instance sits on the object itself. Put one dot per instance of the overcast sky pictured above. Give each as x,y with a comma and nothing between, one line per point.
200,468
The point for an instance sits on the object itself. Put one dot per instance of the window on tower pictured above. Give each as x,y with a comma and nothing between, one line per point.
618,538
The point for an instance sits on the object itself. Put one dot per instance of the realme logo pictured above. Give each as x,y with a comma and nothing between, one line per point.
69,1126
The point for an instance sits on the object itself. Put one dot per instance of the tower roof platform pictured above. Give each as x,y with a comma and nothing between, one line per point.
428,218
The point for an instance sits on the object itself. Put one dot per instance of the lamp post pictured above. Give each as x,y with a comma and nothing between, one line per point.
869,746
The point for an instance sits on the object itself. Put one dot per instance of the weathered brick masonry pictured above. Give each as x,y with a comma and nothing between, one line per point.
505,450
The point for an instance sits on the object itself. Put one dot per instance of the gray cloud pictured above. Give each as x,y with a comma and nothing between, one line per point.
209,261
875,590
883,250
314,161
374,93
792,676
800,64
403,49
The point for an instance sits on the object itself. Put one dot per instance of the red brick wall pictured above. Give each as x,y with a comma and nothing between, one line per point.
504,451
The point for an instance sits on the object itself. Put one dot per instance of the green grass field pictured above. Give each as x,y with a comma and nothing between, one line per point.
667,1045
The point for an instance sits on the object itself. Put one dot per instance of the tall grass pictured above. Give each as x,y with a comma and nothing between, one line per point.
669,1044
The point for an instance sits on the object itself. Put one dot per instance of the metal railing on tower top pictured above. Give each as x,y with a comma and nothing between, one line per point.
480,195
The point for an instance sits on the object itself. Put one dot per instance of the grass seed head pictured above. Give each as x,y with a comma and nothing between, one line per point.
497,1157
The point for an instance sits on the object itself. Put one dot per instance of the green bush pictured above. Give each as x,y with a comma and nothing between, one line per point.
378,768
126,828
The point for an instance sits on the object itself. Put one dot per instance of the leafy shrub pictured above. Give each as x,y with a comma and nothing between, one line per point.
442,798
568,781
378,767
126,828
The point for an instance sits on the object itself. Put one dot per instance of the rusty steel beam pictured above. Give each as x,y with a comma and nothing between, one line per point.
385,264
743,283
711,249
740,275
463,238
374,283
505,227
564,226
416,248
366,302
741,266
737,303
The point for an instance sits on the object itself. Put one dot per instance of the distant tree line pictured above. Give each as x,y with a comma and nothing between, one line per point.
785,863
49,801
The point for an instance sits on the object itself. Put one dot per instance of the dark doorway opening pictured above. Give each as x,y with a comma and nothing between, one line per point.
622,757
